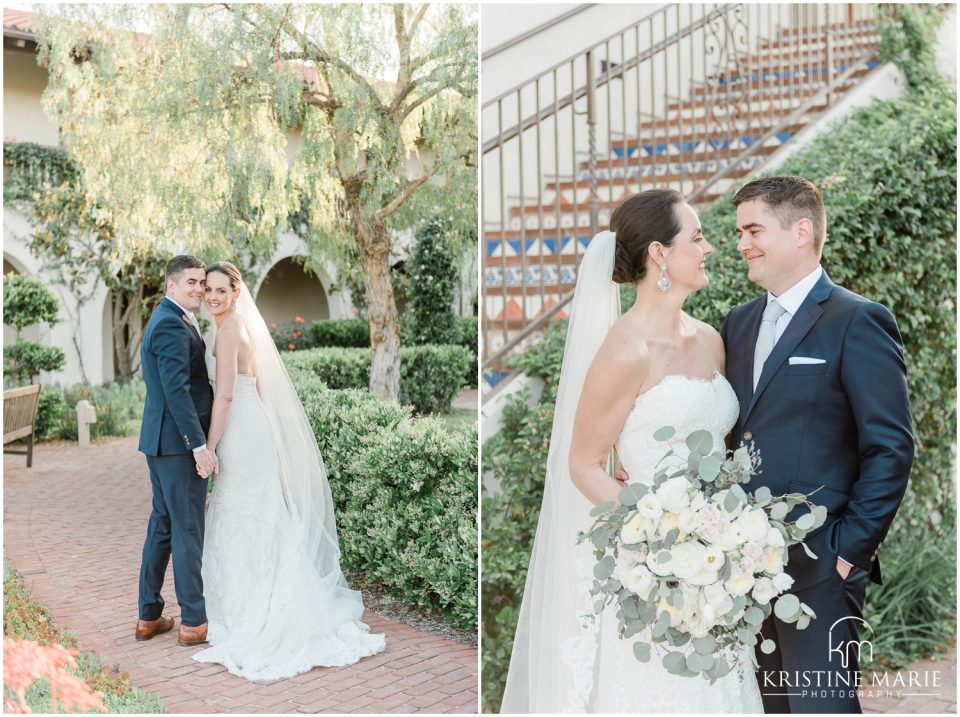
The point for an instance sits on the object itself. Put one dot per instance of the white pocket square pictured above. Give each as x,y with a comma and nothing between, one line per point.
794,360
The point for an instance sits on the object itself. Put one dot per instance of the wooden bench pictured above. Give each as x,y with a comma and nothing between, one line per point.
19,412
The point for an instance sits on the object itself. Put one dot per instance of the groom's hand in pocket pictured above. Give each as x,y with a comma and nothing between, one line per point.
844,568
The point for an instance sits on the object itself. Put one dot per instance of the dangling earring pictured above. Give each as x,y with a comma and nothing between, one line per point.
664,283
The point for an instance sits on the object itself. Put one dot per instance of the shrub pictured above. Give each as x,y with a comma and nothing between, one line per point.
405,495
119,409
346,333
291,335
432,271
23,359
50,411
430,376
888,180
27,301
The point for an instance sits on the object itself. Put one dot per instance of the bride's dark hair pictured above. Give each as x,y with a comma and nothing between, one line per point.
230,271
638,221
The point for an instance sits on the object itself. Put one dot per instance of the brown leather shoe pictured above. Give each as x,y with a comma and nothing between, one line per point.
190,636
148,628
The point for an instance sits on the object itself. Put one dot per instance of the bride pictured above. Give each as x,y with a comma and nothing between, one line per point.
277,602
622,379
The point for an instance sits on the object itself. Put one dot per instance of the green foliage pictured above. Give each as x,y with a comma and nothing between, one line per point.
887,176
405,493
908,38
347,333
27,301
22,360
291,335
28,166
433,271
119,409
430,376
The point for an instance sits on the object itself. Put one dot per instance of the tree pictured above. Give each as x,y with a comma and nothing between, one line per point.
76,239
183,133
433,273
26,301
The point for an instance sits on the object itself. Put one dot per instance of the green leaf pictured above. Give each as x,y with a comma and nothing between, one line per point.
665,433
710,467
675,662
731,502
705,645
787,607
806,522
778,511
661,625
753,615
767,646
604,569
601,509
641,650
700,442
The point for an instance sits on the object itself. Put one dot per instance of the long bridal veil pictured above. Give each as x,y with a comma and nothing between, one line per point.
302,474
540,679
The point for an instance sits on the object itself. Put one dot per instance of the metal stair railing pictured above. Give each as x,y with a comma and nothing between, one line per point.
673,81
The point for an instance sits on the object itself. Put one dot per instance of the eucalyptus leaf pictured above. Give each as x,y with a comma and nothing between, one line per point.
705,645
604,569
710,467
665,433
674,662
601,508
787,607
806,521
700,442
762,495
641,650
661,625
767,646
753,615
778,511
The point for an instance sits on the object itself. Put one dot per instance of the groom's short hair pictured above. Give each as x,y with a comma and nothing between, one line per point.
790,198
180,263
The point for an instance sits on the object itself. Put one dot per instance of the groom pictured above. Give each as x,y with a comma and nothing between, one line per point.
176,417
820,376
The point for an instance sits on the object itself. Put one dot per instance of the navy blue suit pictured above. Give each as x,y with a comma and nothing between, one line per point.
843,426
176,418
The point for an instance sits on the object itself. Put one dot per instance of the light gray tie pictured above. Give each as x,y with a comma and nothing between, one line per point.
765,339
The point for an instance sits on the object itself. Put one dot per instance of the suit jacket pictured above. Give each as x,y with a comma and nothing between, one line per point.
842,426
176,413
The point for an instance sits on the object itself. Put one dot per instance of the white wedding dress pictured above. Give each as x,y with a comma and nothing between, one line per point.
271,613
606,675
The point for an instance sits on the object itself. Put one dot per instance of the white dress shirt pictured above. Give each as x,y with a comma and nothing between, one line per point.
196,325
791,300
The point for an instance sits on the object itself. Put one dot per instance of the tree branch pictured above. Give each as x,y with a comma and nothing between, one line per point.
401,198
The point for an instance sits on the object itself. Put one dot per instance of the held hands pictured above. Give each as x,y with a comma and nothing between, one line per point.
621,476
207,463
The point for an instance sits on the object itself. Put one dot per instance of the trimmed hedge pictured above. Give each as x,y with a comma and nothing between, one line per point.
346,333
430,376
405,493
888,179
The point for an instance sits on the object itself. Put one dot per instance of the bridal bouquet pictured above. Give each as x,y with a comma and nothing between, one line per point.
697,560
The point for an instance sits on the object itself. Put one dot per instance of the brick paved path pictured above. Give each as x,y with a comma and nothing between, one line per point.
74,526
900,698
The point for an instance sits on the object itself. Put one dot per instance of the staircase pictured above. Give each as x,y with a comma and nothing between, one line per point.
709,93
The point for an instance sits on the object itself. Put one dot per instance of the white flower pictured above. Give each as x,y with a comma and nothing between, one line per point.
772,560
739,584
713,532
688,521
650,506
639,580
755,524
748,565
676,616
752,550
708,514
688,559
669,521
733,537
698,501
764,590
782,582
775,538
716,596
634,530
656,566
674,494
714,558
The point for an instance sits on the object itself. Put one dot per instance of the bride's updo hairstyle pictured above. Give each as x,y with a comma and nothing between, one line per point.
638,221
231,272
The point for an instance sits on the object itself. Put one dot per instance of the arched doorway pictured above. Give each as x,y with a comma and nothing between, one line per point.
288,291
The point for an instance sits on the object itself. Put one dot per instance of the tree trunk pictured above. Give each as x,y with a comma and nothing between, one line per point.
120,350
373,241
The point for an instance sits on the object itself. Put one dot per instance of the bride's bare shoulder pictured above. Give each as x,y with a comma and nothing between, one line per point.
708,337
624,350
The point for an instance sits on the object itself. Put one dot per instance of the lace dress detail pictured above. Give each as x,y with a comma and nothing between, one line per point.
623,684
271,614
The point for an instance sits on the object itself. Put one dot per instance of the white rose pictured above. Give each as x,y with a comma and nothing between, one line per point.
739,584
639,580
775,538
752,550
716,596
697,501
755,524
634,530
656,566
669,521
782,582
748,565
650,506
713,532
763,590
626,561
708,514
772,560
688,521
733,536
674,494
688,559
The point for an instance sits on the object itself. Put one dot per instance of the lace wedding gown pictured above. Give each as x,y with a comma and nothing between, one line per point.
606,675
271,614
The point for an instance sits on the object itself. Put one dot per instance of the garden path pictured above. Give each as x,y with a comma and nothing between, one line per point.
938,696
74,524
